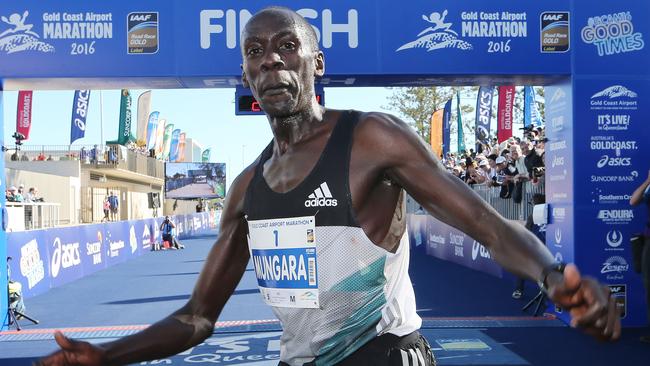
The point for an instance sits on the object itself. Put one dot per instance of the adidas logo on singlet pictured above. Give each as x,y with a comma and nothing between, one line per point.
322,197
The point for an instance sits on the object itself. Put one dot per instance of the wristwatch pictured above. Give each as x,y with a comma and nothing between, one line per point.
553,267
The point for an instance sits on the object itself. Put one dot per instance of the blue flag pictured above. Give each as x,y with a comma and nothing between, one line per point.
461,137
152,126
531,112
173,154
79,114
446,130
483,115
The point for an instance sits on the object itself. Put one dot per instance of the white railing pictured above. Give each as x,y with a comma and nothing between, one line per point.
29,216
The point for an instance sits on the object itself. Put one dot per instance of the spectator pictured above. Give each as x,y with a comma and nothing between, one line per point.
41,156
17,196
93,154
14,156
167,228
114,204
522,173
106,206
24,157
505,175
21,190
32,195
9,194
199,206
83,154
49,158
112,156
482,173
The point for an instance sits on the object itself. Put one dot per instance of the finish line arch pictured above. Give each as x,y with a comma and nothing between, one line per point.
591,58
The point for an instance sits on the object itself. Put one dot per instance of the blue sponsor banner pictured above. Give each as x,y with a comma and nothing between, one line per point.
79,114
92,249
30,264
116,240
100,40
483,114
445,242
284,268
64,252
42,259
144,233
613,151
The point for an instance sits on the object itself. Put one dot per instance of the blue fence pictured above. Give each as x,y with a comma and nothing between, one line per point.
43,259
430,236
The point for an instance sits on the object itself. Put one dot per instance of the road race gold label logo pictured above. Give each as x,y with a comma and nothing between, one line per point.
142,32
554,31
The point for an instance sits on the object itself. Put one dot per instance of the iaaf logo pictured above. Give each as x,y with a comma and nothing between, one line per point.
64,255
614,238
322,197
619,293
615,264
478,249
553,16
617,161
437,36
140,17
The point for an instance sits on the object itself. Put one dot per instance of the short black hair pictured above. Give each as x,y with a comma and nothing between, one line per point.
302,23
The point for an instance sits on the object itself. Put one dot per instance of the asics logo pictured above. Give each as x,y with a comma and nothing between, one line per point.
322,197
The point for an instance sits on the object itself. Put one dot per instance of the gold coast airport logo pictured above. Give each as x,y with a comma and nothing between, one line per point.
142,32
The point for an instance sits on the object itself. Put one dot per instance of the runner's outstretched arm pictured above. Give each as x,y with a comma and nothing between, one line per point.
410,163
192,323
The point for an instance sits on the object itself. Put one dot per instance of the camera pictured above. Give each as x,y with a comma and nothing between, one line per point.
539,171
19,138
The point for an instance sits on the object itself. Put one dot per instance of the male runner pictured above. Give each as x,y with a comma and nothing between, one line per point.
332,182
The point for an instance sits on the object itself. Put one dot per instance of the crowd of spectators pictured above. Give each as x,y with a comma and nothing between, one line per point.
13,194
508,164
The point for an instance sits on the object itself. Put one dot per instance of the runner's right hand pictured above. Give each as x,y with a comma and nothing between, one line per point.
73,352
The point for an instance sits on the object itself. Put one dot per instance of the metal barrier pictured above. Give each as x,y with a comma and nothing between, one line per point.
29,216
507,207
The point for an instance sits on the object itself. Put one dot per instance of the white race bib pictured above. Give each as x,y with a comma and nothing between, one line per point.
284,258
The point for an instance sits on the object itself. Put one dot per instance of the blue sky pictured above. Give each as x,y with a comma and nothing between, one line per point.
206,115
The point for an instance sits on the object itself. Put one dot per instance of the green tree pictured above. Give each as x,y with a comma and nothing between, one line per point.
416,104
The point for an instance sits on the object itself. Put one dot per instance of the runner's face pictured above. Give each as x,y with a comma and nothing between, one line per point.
279,63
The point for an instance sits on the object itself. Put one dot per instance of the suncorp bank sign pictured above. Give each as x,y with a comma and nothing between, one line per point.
230,23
